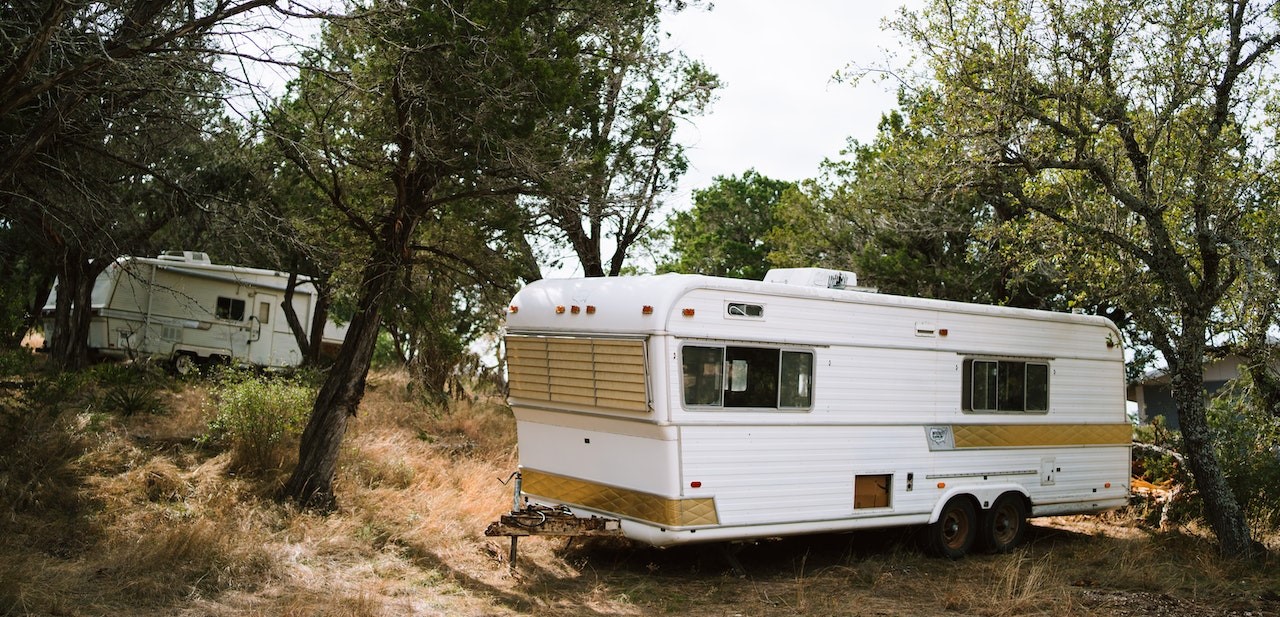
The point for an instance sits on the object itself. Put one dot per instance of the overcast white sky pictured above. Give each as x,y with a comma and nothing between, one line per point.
779,110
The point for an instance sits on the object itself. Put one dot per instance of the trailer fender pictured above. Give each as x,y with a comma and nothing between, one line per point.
201,352
983,496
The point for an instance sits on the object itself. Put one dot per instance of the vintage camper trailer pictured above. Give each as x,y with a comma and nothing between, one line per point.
181,307
695,409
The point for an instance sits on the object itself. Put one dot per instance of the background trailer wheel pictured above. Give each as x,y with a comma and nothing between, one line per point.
185,364
955,531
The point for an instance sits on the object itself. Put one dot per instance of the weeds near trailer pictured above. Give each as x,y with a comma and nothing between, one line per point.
1247,434
1019,585
257,418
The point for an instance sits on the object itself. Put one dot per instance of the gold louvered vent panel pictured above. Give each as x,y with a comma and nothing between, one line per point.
593,372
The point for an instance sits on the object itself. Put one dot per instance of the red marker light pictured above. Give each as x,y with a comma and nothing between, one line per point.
514,309
695,484
647,310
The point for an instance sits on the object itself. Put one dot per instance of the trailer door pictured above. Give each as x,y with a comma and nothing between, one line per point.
262,329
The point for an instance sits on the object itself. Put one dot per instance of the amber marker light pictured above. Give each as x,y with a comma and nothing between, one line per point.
575,309
942,485
687,312
513,308
942,332
591,309
647,310
1107,485
560,310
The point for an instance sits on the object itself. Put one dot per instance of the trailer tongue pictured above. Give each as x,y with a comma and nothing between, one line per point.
535,520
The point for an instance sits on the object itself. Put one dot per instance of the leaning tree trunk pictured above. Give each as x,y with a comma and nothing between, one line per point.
300,333
311,484
319,318
1220,505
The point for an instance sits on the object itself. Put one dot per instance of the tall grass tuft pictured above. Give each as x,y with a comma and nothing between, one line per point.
258,418
1016,584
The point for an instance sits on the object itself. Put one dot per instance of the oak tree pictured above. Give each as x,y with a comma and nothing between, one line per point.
1131,131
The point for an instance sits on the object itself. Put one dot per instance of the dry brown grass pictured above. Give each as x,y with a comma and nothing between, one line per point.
109,515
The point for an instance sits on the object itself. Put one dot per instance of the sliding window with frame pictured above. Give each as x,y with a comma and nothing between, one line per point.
746,377
1005,386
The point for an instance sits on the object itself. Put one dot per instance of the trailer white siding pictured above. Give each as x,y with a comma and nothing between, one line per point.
868,426
183,304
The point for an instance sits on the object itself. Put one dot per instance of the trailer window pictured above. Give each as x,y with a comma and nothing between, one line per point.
230,308
1004,385
797,377
701,368
756,377
753,377
743,309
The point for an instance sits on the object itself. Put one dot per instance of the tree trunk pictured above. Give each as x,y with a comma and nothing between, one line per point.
69,350
295,324
319,319
1220,505
311,484
42,291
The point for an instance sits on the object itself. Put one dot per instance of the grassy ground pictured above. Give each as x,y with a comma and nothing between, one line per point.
112,506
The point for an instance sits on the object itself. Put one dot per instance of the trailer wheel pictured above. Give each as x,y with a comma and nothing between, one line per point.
185,364
955,531
1004,525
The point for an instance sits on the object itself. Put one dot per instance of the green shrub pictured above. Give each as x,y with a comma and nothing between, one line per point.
132,399
14,362
58,390
128,388
1246,439
1247,436
258,418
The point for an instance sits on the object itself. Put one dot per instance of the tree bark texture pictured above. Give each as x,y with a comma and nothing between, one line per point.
1220,505
295,323
69,349
311,484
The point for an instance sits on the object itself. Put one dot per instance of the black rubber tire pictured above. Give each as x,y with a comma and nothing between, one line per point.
955,531
186,365
1005,524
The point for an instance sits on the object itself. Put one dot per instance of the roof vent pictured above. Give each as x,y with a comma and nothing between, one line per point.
196,257
813,277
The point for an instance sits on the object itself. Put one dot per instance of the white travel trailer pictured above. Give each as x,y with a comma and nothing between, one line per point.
181,307
700,409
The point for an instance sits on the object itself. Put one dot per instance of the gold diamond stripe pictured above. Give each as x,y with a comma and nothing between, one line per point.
1022,435
623,502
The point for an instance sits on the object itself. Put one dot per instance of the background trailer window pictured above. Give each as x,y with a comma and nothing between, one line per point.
754,377
230,308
